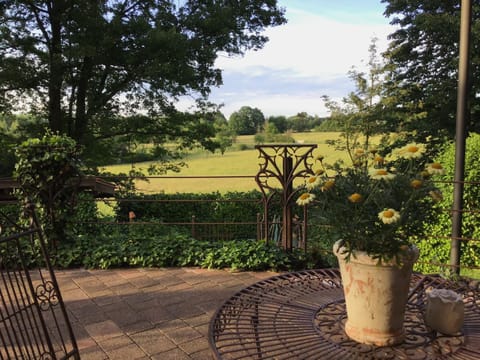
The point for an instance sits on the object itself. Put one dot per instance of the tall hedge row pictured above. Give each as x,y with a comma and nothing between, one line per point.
435,247
231,207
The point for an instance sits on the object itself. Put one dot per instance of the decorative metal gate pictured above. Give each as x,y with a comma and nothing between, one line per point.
33,320
279,167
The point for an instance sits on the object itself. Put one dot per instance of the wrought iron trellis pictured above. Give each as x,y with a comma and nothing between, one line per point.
281,165
34,323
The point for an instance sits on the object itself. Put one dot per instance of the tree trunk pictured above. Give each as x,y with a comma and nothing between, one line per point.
56,68
81,120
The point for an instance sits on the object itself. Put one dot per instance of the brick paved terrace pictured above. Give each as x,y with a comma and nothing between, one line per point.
147,313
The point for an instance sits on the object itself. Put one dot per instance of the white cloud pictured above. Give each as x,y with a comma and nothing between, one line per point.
310,45
306,58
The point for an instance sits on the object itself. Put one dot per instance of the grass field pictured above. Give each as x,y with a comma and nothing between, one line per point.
233,162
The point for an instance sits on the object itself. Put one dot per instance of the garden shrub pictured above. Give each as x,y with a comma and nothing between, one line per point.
167,248
207,207
243,147
247,255
48,171
83,217
8,213
436,245
272,138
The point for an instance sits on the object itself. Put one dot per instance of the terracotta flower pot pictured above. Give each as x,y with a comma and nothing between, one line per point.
375,297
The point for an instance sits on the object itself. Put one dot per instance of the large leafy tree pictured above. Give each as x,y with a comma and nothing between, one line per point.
104,69
279,122
246,121
423,59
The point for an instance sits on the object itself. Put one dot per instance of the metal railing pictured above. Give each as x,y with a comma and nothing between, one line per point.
257,225
34,323
260,228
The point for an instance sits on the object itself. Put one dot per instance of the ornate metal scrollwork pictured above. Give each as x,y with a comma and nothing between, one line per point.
47,356
280,165
420,343
46,295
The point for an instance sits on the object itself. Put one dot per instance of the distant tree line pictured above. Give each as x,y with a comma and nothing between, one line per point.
250,121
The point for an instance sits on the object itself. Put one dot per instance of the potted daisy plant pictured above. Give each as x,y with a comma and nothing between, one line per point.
375,209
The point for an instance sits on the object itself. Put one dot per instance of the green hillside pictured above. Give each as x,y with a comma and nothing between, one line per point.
233,162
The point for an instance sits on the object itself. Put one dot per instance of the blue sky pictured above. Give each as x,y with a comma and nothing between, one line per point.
308,57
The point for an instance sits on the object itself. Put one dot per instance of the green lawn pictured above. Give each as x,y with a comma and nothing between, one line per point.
233,162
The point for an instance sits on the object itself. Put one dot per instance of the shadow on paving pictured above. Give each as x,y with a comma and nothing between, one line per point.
147,313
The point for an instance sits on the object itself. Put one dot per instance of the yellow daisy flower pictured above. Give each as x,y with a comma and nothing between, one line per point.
378,159
425,174
312,182
436,195
379,174
412,150
389,216
357,163
416,183
359,152
328,185
305,199
355,198
435,169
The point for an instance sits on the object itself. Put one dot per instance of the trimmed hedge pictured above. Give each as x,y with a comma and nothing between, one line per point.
213,207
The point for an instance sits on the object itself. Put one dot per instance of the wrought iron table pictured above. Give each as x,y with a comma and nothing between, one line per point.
301,315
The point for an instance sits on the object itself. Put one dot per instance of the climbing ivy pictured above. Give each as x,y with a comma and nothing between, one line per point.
47,170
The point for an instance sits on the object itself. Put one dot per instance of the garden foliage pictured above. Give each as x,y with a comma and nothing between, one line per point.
159,246
436,246
232,207
48,171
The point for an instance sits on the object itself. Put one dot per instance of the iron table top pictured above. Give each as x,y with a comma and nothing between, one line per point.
301,315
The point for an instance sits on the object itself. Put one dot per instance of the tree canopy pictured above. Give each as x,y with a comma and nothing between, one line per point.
279,122
423,59
102,69
246,121
412,88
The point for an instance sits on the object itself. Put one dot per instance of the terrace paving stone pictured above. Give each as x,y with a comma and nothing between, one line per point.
194,346
147,313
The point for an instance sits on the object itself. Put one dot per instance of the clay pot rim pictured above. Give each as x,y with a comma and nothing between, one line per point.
361,257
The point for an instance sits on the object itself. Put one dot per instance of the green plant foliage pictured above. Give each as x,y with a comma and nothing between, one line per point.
246,121
247,255
320,243
47,170
329,125
159,246
268,137
83,217
45,163
436,247
243,147
214,207
423,58
372,209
